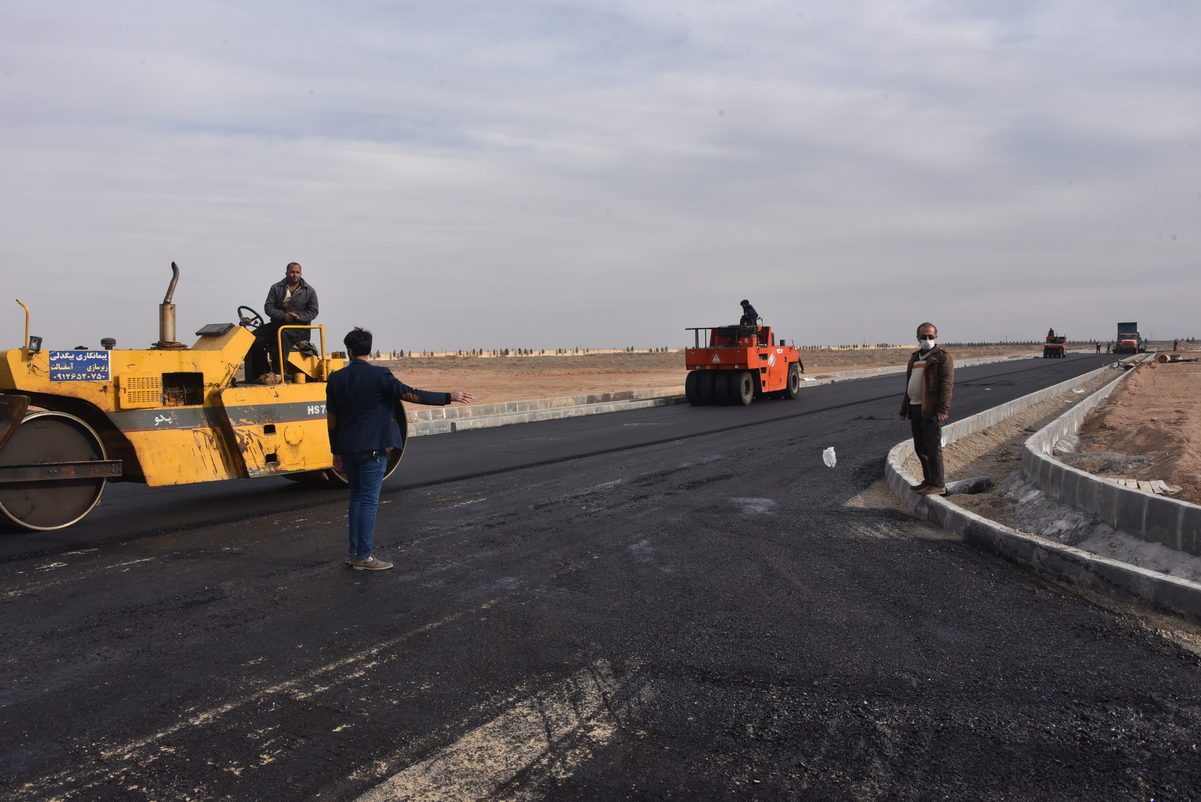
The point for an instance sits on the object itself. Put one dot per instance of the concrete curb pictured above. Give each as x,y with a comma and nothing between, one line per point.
1155,519
445,420
1042,554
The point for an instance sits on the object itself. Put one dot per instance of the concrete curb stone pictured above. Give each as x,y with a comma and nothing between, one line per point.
1153,518
1043,554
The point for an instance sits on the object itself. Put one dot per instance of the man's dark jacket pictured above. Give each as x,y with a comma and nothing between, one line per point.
938,381
362,403
749,316
303,303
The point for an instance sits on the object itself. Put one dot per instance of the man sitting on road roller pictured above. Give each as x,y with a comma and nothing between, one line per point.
749,316
292,301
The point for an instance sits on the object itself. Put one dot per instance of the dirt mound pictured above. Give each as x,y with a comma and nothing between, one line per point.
1104,462
1154,422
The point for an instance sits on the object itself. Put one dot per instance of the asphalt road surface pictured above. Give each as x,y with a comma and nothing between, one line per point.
670,603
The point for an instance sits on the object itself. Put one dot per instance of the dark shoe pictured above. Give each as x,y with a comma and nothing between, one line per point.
918,487
370,564
307,348
932,490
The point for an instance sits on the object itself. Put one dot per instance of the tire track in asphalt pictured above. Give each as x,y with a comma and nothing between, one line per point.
543,735
119,765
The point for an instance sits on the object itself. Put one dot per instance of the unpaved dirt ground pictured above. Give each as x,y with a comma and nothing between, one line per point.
520,378
1149,428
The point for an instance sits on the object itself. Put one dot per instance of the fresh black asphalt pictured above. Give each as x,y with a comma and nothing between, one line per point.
672,603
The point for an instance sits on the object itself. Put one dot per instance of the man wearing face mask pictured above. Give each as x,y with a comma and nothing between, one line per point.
927,404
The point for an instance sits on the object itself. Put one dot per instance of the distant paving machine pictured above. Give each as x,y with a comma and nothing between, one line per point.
738,364
1129,341
71,421
1055,347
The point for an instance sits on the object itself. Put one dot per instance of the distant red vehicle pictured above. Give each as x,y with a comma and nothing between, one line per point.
1055,347
738,364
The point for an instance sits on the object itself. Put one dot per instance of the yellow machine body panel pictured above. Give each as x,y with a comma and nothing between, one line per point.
180,412
130,379
278,428
174,452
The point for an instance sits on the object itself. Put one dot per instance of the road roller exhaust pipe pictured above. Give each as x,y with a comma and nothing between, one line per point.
166,316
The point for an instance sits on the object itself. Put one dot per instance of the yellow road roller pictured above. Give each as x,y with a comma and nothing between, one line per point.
72,421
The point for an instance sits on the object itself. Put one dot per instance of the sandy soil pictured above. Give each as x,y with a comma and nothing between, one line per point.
519,378
1150,428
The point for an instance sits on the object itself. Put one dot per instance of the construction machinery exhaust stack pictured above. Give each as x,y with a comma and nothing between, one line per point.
166,316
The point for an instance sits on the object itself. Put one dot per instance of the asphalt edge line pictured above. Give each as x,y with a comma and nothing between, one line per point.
1041,554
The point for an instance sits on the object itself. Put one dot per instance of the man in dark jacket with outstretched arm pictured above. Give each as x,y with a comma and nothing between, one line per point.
927,404
362,402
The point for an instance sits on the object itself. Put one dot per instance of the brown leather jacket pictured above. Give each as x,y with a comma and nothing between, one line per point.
938,380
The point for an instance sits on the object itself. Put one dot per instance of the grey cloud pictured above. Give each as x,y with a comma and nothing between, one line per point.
475,174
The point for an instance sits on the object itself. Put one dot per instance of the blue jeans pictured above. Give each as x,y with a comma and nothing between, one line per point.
364,473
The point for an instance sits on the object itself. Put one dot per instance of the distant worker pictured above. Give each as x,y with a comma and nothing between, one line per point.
292,301
1176,345
1050,333
362,405
929,381
1098,344
749,316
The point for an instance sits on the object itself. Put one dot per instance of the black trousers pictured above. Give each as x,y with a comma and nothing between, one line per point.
263,355
927,444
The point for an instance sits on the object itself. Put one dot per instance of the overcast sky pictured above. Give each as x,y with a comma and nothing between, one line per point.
541,174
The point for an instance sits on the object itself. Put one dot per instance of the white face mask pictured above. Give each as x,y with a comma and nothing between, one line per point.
926,345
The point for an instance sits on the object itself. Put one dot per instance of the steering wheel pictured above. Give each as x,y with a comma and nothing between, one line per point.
249,318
